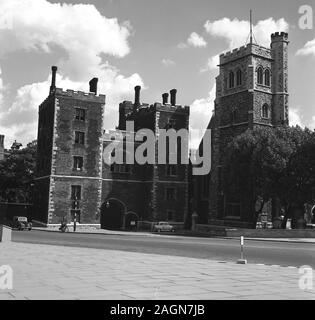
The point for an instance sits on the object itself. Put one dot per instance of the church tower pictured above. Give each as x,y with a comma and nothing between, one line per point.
251,91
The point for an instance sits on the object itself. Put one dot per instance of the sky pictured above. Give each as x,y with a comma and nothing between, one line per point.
158,44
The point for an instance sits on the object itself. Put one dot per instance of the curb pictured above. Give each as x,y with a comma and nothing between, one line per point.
186,236
273,239
99,233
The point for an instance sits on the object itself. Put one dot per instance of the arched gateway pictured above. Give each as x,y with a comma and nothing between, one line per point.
112,214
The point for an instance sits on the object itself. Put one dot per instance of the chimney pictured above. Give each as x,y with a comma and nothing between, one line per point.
137,97
53,79
173,97
93,85
165,98
1,147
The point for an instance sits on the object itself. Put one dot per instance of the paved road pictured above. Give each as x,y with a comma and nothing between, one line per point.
266,252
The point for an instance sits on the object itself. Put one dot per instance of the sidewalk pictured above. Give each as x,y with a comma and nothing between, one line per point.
57,272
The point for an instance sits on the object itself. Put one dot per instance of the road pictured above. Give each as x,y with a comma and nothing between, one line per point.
266,252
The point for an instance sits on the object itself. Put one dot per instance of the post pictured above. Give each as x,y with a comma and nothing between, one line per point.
242,260
75,222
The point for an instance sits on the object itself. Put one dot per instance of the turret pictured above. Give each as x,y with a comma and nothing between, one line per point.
279,54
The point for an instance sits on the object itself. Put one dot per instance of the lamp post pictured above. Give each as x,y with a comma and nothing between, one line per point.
75,222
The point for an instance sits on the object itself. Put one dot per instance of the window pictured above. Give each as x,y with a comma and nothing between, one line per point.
79,137
239,77
260,75
170,215
267,77
171,170
170,194
75,192
120,168
77,163
231,79
265,111
80,114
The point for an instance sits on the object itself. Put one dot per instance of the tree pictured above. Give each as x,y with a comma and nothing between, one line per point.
272,163
17,173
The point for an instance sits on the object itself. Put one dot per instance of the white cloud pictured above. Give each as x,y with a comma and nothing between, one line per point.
79,29
200,115
85,36
308,49
196,40
182,45
1,88
235,32
212,63
312,123
295,117
20,120
168,62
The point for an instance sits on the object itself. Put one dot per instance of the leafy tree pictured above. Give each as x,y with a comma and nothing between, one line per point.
16,175
269,163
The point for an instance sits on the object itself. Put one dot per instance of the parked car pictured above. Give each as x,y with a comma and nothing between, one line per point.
163,226
21,223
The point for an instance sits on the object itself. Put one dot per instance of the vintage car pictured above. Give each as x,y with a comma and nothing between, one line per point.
163,226
21,223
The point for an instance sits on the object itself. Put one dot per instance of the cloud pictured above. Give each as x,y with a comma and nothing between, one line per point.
182,45
85,36
1,87
212,63
295,117
168,62
194,40
20,119
235,32
308,49
200,115
79,29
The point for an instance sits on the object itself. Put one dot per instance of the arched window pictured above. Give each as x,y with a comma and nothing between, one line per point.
267,77
260,75
231,79
239,77
265,111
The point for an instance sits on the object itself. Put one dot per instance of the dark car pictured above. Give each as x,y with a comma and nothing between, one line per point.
21,223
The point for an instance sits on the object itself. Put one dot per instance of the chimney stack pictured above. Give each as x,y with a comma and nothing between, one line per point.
93,85
53,79
173,97
165,98
1,147
137,97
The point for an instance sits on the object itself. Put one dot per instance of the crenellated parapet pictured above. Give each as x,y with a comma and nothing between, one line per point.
91,96
249,49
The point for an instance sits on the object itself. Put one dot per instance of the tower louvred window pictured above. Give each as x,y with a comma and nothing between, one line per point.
239,77
260,75
231,79
265,111
267,77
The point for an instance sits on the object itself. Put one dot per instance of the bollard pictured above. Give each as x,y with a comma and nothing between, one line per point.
242,260
5,233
